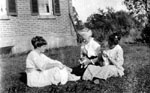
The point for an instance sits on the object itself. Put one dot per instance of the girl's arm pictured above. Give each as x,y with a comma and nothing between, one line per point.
119,60
52,65
114,61
44,63
93,61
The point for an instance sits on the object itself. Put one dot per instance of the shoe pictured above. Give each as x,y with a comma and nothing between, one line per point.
73,77
96,81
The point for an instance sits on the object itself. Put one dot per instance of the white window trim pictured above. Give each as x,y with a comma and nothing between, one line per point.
46,15
3,7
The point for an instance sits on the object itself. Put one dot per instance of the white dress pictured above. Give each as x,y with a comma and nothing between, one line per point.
90,49
44,77
109,70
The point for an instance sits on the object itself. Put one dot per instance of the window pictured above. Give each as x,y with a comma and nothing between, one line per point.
11,4
34,7
8,7
56,7
45,7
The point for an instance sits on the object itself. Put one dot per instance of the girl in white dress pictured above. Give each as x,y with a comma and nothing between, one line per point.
42,70
89,49
89,52
113,59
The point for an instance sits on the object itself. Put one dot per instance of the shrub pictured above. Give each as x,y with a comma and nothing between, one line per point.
146,34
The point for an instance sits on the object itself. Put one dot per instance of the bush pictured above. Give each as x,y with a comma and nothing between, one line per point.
146,34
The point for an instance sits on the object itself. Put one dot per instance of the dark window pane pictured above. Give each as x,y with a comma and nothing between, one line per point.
56,7
47,8
12,7
34,6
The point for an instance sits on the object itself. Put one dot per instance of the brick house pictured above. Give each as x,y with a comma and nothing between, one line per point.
20,20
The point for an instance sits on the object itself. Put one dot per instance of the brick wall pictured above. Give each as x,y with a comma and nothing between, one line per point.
18,30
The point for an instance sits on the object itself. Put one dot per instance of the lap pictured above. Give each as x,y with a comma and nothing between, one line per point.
102,70
42,78
110,67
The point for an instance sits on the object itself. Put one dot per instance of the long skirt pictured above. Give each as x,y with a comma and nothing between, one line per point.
102,72
47,77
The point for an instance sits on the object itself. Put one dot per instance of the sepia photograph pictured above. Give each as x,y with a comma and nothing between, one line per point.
74,46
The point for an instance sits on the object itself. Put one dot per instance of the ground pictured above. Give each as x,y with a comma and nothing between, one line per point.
135,80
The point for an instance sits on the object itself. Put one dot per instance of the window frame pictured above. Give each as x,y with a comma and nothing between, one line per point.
54,8
8,10
51,13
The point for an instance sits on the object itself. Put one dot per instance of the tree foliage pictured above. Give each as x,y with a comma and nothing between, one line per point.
78,25
146,33
138,9
105,23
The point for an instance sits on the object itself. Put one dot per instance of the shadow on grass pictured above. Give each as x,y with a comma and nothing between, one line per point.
23,77
143,76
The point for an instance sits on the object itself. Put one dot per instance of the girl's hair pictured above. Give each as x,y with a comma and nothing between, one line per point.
114,38
38,41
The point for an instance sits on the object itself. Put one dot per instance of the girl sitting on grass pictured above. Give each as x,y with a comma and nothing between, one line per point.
89,52
114,59
42,70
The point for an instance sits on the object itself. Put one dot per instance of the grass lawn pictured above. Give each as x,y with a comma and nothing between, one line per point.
135,80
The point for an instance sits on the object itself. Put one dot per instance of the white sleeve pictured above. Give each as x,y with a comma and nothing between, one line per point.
119,57
38,61
29,62
94,49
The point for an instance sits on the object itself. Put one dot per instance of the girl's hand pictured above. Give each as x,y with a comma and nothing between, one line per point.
87,61
68,69
119,67
60,66
81,62
104,54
